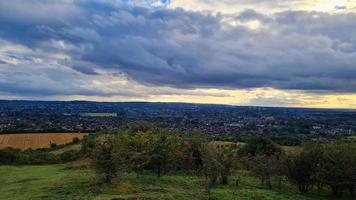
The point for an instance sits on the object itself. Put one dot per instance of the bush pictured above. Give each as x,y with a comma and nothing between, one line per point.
105,159
257,145
69,156
303,168
265,167
339,168
75,140
9,156
53,145
88,144
331,164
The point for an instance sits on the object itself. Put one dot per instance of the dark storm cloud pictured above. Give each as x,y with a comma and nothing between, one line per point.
38,81
182,49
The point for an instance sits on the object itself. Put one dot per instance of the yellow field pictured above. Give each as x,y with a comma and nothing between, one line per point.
36,140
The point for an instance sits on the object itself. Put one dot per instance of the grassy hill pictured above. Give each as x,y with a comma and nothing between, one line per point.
71,181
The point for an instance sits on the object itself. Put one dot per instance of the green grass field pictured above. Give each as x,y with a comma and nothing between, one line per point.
68,182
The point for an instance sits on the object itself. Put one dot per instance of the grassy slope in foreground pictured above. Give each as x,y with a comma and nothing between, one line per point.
61,182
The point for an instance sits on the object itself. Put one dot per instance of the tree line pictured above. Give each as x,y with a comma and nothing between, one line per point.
145,148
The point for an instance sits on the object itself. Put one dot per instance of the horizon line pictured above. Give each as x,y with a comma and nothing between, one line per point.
192,103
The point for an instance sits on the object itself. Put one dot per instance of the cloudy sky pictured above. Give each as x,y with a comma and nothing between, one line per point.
298,53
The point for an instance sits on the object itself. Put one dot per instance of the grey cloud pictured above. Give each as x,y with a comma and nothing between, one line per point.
182,49
85,70
250,14
33,80
38,11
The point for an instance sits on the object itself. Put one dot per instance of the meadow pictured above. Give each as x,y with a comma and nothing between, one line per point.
75,181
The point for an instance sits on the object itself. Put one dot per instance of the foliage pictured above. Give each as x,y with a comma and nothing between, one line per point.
263,157
331,164
162,151
138,152
69,156
228,158
257,145
339,168
162,147
303,168
88,143
265,167
211,167
192,152
144,150
10,156
53,145
76,140
105,160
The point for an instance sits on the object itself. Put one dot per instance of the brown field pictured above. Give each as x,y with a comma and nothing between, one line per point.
36,140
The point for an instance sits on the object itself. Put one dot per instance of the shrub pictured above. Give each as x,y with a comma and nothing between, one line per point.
75,140
9,156
53,145
339,168
303,168
69,156
108,158
257,145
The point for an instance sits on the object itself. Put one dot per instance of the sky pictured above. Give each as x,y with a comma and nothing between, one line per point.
290,53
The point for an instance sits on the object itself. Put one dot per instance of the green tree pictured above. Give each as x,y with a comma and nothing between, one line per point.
339,168
107,158
303,168
257,145
88,144
265,167
228,159
138,152
162,148
211,167
192,151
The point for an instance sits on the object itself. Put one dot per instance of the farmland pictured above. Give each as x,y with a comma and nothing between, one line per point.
36,140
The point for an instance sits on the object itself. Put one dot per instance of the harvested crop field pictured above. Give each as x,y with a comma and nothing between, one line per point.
36,140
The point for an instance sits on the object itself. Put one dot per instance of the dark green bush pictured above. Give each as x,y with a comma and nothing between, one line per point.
69,156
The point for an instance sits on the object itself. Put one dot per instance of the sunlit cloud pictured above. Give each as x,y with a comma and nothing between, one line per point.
265,6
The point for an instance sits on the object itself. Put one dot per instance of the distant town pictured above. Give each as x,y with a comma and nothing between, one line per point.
287,125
